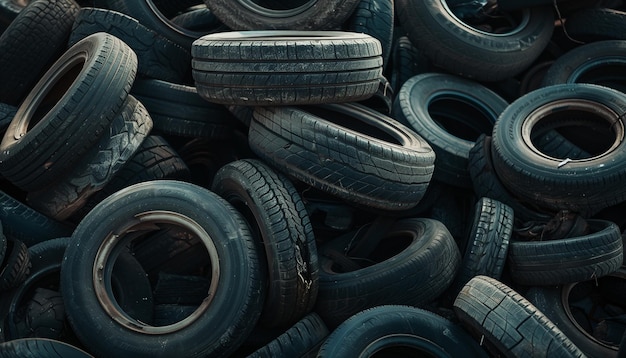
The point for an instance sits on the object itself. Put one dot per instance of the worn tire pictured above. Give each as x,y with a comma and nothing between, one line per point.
31,43
449,112
98,166
217,327
275,211
584,185
157,57
299,67
346,150
403,330
87,88
467,51
572,259
508,323
413,264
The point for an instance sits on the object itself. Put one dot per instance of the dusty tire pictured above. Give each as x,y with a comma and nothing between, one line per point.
508,323
88,86
300,67
346,150
232,304
584,185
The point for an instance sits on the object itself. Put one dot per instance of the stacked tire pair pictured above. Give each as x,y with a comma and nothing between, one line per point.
77,126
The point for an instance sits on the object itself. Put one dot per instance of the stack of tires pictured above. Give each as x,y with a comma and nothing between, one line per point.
329,178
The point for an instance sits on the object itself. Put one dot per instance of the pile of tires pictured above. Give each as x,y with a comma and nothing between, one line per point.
329,178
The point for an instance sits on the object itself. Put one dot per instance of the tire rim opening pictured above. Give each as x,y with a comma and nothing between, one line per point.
493,23
461,117
596,308
51,94
606,72
178,262
403,345
277,8
589,126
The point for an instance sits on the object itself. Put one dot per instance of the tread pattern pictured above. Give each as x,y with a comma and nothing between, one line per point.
40,347
287,235
375,18
317,67
97,167
157,56
471,53
344,162
154,160
179,110
16,265
31,43
568,260
43,316
510,324
488,247
23,223
42,154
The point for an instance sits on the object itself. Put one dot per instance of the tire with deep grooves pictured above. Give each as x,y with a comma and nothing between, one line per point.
40,347
178,110
88,86
375,18
98,166
271,204
31,43
346,150
508,323
294,67
157,56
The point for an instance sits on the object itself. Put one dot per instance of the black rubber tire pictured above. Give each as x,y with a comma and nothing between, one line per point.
45,258
40,347
413,264
157,57
375,18
554,302
406,61
9,9
347,150
218,326
43,316
198,18
7,113
21,222
178,110
86,88
261,15
467,51
582,185
98,166
572,259
31,43
449,112
274,210
600,63
154,160
413,332
486,182
15,266
596,24
149,13
303,339
299,67
508,323
487,244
